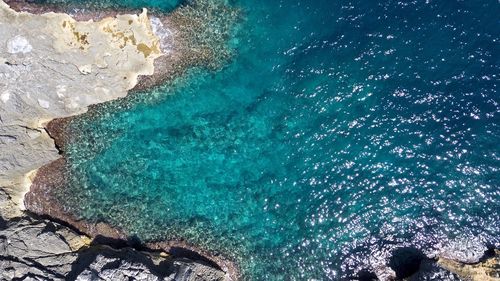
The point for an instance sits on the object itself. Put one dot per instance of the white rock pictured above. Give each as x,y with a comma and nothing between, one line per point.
19,44
43,103
85,69
4,97
464,249
100,91
60,91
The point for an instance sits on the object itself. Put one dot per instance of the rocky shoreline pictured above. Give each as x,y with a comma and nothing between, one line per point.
33,248
57,65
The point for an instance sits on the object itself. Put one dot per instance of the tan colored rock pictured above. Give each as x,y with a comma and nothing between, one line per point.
53,66
489,270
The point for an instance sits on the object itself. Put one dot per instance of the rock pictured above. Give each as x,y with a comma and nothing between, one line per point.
108,265
36,249
105,263
465,250
4,97
430,271
45,64
486,270
18,44
189,271
85,69
43,103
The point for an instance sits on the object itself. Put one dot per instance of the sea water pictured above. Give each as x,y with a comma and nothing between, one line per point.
338,131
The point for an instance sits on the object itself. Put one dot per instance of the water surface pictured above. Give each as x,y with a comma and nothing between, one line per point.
339,130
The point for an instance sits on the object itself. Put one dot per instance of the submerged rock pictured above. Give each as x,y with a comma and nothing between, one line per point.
51,66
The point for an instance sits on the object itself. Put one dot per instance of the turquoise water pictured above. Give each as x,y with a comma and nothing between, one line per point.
340,130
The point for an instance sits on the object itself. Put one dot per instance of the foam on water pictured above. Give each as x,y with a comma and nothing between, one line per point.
339,132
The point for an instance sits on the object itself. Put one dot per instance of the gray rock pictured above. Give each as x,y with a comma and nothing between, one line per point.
38,249
105,263
52,66
464,250
110,269
186,270
35,249
430,271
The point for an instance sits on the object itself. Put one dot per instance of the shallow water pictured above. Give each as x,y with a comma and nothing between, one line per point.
339,131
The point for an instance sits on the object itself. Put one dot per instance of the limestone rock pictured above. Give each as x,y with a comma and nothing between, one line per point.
18,44
430,271
37,249
54,66
487,270
465,250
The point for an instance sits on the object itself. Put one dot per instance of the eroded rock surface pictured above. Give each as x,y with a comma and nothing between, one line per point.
430,271
53,66
35,249
486,270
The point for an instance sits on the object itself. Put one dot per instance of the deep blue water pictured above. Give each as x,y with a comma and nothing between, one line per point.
340,130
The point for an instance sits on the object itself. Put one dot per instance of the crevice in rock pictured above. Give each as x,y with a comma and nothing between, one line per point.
131,243
30,276
179,252
40,266
31,263
56,143
116,257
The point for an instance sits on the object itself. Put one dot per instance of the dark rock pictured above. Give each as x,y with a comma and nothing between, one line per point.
430,271
37,249
405,261
365,275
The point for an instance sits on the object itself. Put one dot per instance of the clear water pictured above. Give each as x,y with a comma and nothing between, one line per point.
339,129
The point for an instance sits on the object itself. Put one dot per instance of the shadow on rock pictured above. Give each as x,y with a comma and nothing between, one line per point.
406,261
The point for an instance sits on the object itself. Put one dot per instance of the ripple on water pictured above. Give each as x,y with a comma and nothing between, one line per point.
341,133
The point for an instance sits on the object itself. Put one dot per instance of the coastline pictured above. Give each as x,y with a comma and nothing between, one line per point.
40,200
158,66
54,171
